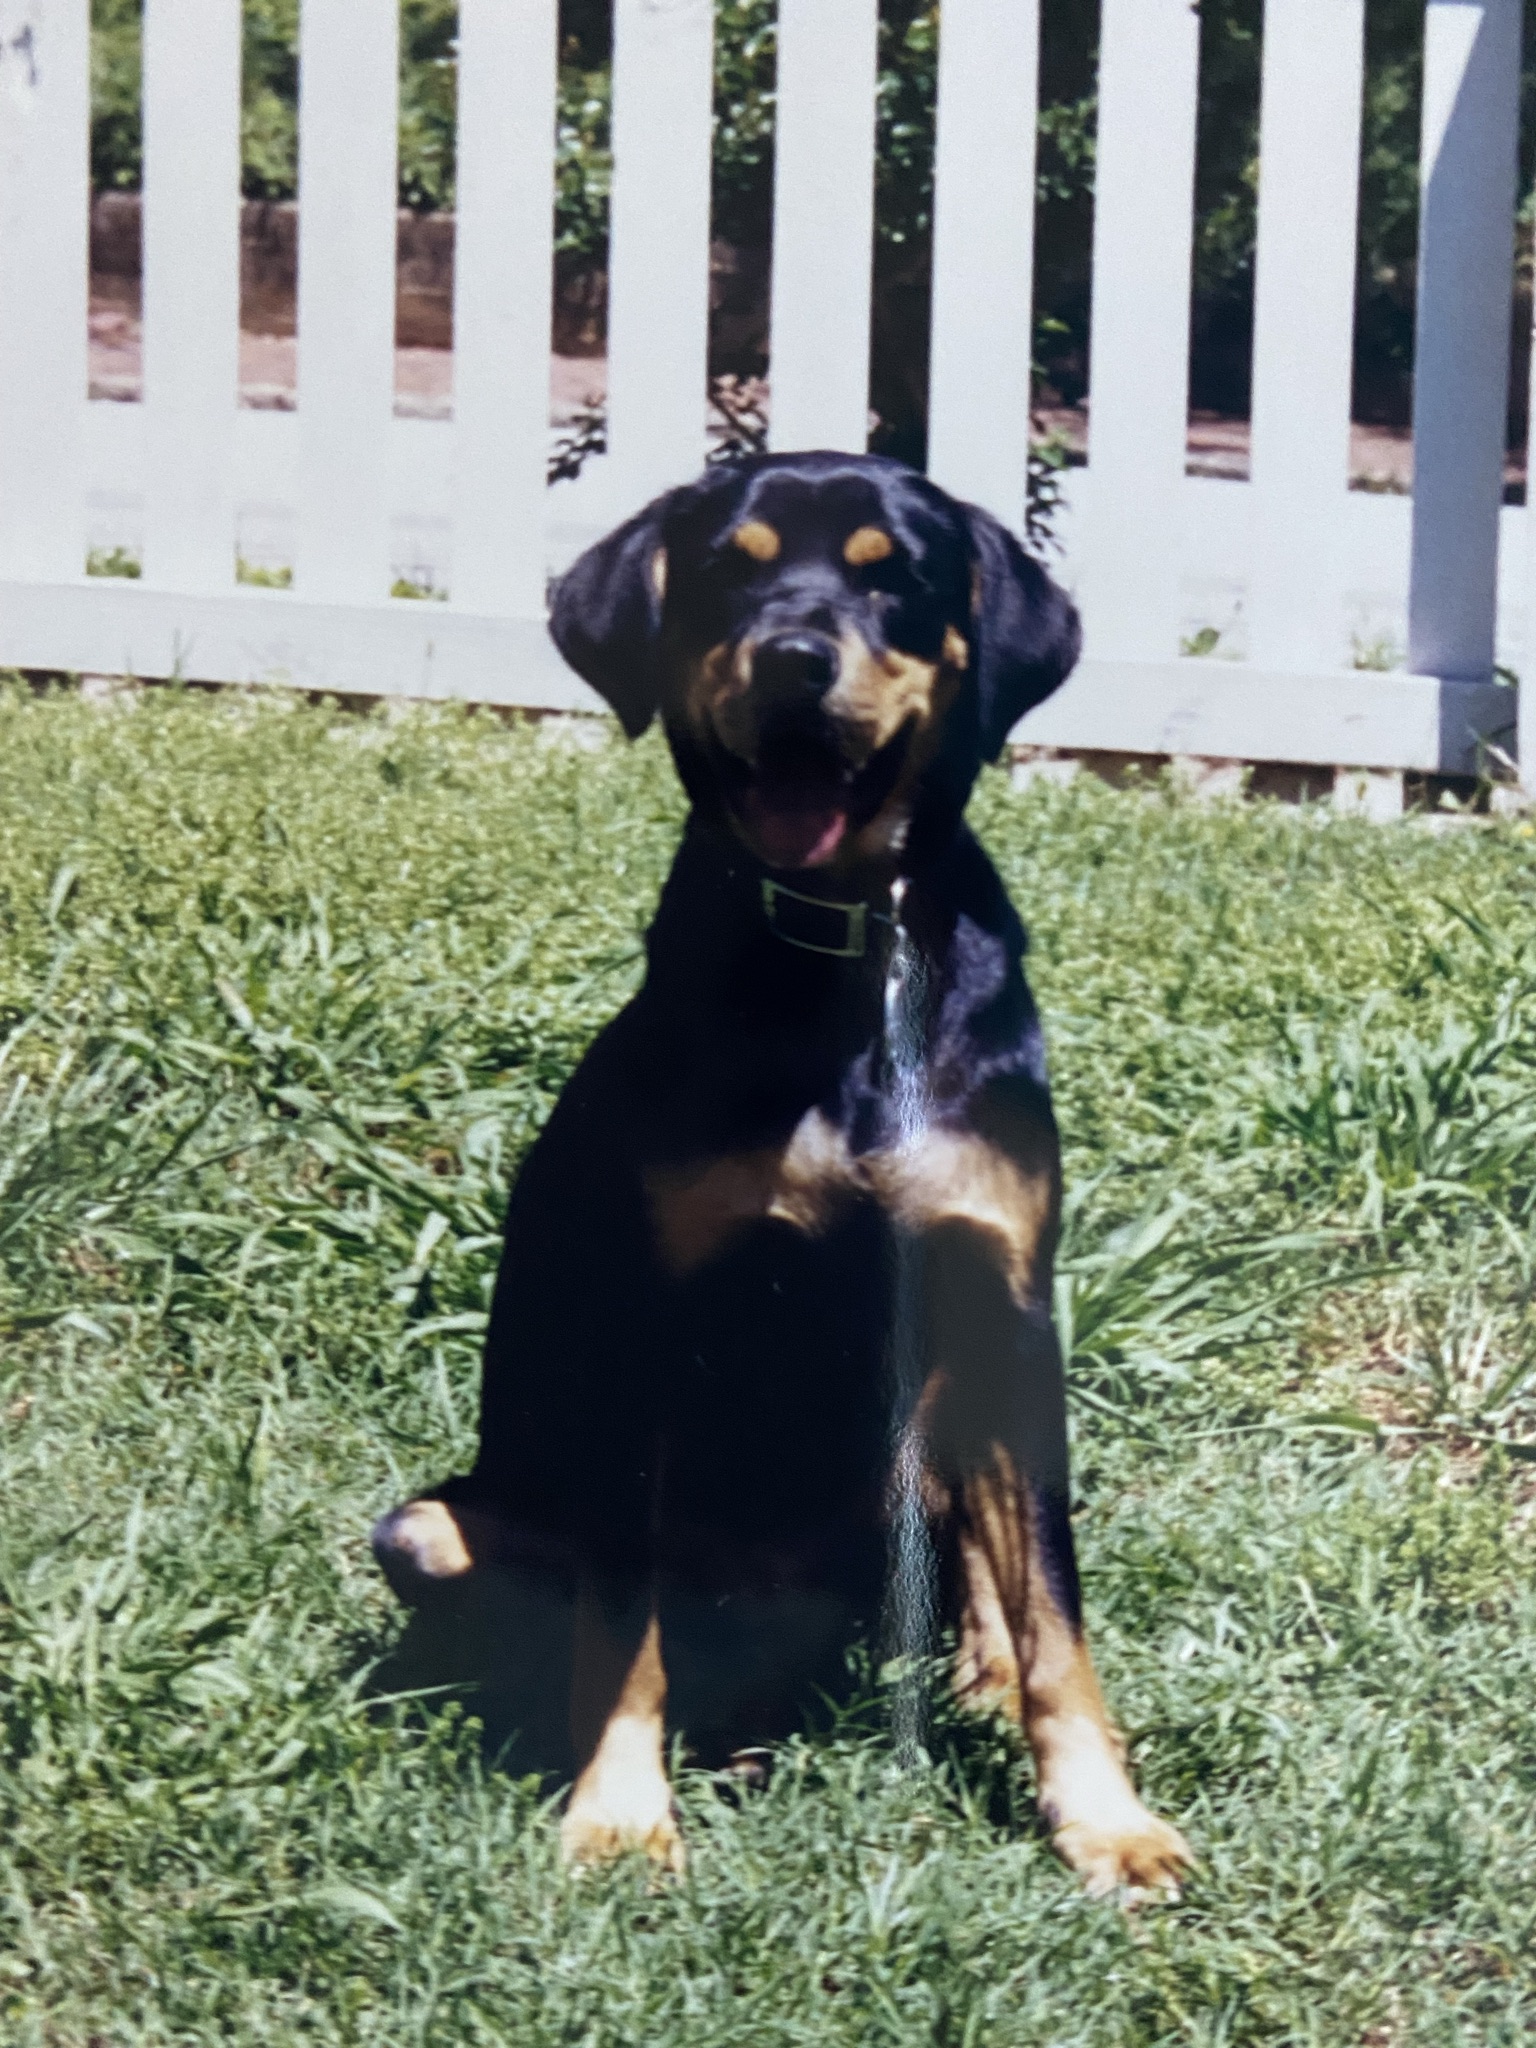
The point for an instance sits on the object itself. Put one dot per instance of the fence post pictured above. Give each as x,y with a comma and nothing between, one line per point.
1525,735
503,278
984,252
823,224
1138,382
1461,362
1303,344
44,284
658,266
348,118
191,288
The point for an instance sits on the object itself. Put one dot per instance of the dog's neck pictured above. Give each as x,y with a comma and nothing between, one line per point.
778,1027
839,926
848,912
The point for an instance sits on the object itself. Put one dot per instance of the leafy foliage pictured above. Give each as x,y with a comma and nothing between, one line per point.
284,995
269,135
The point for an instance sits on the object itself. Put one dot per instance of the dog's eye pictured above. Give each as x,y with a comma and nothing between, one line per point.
889,575
731,564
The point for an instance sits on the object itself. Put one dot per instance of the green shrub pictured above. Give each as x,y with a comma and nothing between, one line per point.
269,133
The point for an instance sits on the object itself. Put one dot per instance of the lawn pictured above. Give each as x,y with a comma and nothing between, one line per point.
284,993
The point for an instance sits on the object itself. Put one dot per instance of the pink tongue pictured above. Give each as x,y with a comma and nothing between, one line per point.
795,829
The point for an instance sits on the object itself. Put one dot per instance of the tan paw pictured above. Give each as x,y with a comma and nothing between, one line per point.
1138,1854
592,1833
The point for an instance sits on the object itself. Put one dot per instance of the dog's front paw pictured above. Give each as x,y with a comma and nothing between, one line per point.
605,1823
1134,1852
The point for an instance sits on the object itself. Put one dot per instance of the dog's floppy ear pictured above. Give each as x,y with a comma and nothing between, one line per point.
1026,632
605,615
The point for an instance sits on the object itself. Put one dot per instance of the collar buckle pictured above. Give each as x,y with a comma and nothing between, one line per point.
839,930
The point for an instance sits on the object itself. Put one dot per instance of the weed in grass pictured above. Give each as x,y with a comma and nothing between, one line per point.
1387,1117
1377,652
264,575
115,561
284,995
120,561
1204,642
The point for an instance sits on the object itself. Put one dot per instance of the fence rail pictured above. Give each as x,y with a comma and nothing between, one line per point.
1299,558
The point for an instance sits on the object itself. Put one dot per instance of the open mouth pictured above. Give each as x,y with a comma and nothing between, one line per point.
802,799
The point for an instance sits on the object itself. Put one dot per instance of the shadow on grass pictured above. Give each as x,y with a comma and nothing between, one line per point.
500,1647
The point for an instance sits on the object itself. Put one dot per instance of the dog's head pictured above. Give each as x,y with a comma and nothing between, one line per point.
833,644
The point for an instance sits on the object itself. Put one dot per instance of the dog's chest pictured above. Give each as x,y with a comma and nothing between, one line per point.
776,1392
806,1185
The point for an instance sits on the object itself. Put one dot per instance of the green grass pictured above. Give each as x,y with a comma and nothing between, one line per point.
284,994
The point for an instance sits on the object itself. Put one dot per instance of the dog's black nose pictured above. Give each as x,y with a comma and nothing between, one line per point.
791,667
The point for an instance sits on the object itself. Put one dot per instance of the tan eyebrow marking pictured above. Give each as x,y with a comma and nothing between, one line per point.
957,651
867,544
757,539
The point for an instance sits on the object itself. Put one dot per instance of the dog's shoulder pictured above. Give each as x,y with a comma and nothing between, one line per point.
985,1025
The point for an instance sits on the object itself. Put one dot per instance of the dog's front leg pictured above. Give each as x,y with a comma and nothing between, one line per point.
996,1427
1018,1589
621,1799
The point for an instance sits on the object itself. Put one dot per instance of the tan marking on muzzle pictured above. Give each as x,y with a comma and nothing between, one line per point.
755,537
867,544
714,693
887,694
876,694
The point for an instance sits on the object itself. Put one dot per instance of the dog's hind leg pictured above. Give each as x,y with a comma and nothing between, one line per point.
428,1543
622,1799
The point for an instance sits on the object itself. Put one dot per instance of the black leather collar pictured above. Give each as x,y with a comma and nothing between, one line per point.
815,925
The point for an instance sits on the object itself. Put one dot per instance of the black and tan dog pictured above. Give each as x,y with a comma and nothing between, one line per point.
788,1233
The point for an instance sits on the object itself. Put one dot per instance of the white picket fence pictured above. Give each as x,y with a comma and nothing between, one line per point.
1146,546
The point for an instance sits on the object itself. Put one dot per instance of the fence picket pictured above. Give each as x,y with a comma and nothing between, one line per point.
1138,396
658,264
1303,344
823,224
1461,349
983,252
503,258
1526,735
44,269
348,115
191,288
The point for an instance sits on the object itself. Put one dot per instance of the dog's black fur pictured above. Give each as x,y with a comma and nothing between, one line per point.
693,1387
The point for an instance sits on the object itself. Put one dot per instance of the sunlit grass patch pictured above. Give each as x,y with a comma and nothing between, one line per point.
284,995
